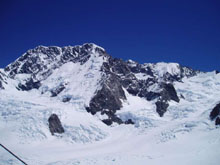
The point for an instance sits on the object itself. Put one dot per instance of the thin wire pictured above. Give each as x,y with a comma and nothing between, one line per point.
13,154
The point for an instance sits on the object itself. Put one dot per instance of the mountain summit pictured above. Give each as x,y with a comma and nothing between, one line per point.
79,91
99,80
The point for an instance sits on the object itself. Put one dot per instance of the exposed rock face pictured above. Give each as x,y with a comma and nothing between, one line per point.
217,121
107,121
129,121
1,86
112,118
57,90
121,75
108,98
169,93
29,84
40,62
215,112
161,107
55,124
3,79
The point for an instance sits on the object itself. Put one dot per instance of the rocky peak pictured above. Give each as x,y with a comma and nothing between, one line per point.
43,55
40,62
38,68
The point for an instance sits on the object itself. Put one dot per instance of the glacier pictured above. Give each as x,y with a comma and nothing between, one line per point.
184,135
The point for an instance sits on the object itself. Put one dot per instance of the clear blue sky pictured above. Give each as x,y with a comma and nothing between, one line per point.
187,31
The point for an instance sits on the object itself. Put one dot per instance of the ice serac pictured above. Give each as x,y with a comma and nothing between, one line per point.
92,77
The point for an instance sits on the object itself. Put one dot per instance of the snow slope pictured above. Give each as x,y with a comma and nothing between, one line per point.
82,81
185,135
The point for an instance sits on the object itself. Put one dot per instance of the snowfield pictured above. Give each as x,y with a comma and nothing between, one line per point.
185,135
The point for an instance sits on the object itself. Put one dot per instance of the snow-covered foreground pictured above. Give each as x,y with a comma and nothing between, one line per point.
185,135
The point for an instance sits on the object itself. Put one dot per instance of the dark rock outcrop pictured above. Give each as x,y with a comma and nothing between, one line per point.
215,112
1,86
169,93
121,75
129,121
107,121
107,100
111,119
30,84
66,99
55,124
3,80
217,121
161,107
57,90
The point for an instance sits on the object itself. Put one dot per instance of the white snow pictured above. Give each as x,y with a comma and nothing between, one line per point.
162,68
185,135
142,76
81,81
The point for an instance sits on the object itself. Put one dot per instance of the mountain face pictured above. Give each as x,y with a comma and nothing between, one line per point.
79,105
39,69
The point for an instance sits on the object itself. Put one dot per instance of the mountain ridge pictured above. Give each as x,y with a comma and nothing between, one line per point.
148,80
138,113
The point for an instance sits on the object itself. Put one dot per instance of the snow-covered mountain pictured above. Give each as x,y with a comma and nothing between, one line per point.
79,105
